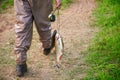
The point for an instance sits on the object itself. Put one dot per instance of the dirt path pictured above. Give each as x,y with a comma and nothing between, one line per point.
77,35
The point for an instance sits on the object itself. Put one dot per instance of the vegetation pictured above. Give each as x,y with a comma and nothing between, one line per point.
4,4
66,3
104,57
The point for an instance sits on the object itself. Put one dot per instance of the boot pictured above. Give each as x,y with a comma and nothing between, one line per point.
46,51
25,68
21,69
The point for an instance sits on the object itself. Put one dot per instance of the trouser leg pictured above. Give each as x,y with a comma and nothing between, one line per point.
23,29
41,9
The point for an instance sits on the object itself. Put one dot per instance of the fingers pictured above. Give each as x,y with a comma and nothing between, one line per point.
58,4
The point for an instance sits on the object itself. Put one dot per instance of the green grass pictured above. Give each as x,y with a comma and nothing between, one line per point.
104,57
66,3
4,4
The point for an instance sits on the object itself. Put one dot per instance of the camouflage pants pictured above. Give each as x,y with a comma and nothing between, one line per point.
28,11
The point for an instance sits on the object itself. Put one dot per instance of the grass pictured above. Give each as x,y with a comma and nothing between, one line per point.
6,51
6,54
66,3
104,57
5,4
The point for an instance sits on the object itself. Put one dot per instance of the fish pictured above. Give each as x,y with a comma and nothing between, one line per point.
59,48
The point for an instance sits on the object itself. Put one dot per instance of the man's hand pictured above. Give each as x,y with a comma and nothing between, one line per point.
58,4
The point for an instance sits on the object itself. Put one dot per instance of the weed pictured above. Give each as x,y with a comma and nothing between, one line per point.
105,52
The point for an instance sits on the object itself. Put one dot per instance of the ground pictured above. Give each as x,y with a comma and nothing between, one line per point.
77,34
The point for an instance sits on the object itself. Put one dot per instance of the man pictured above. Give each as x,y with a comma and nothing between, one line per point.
28,11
